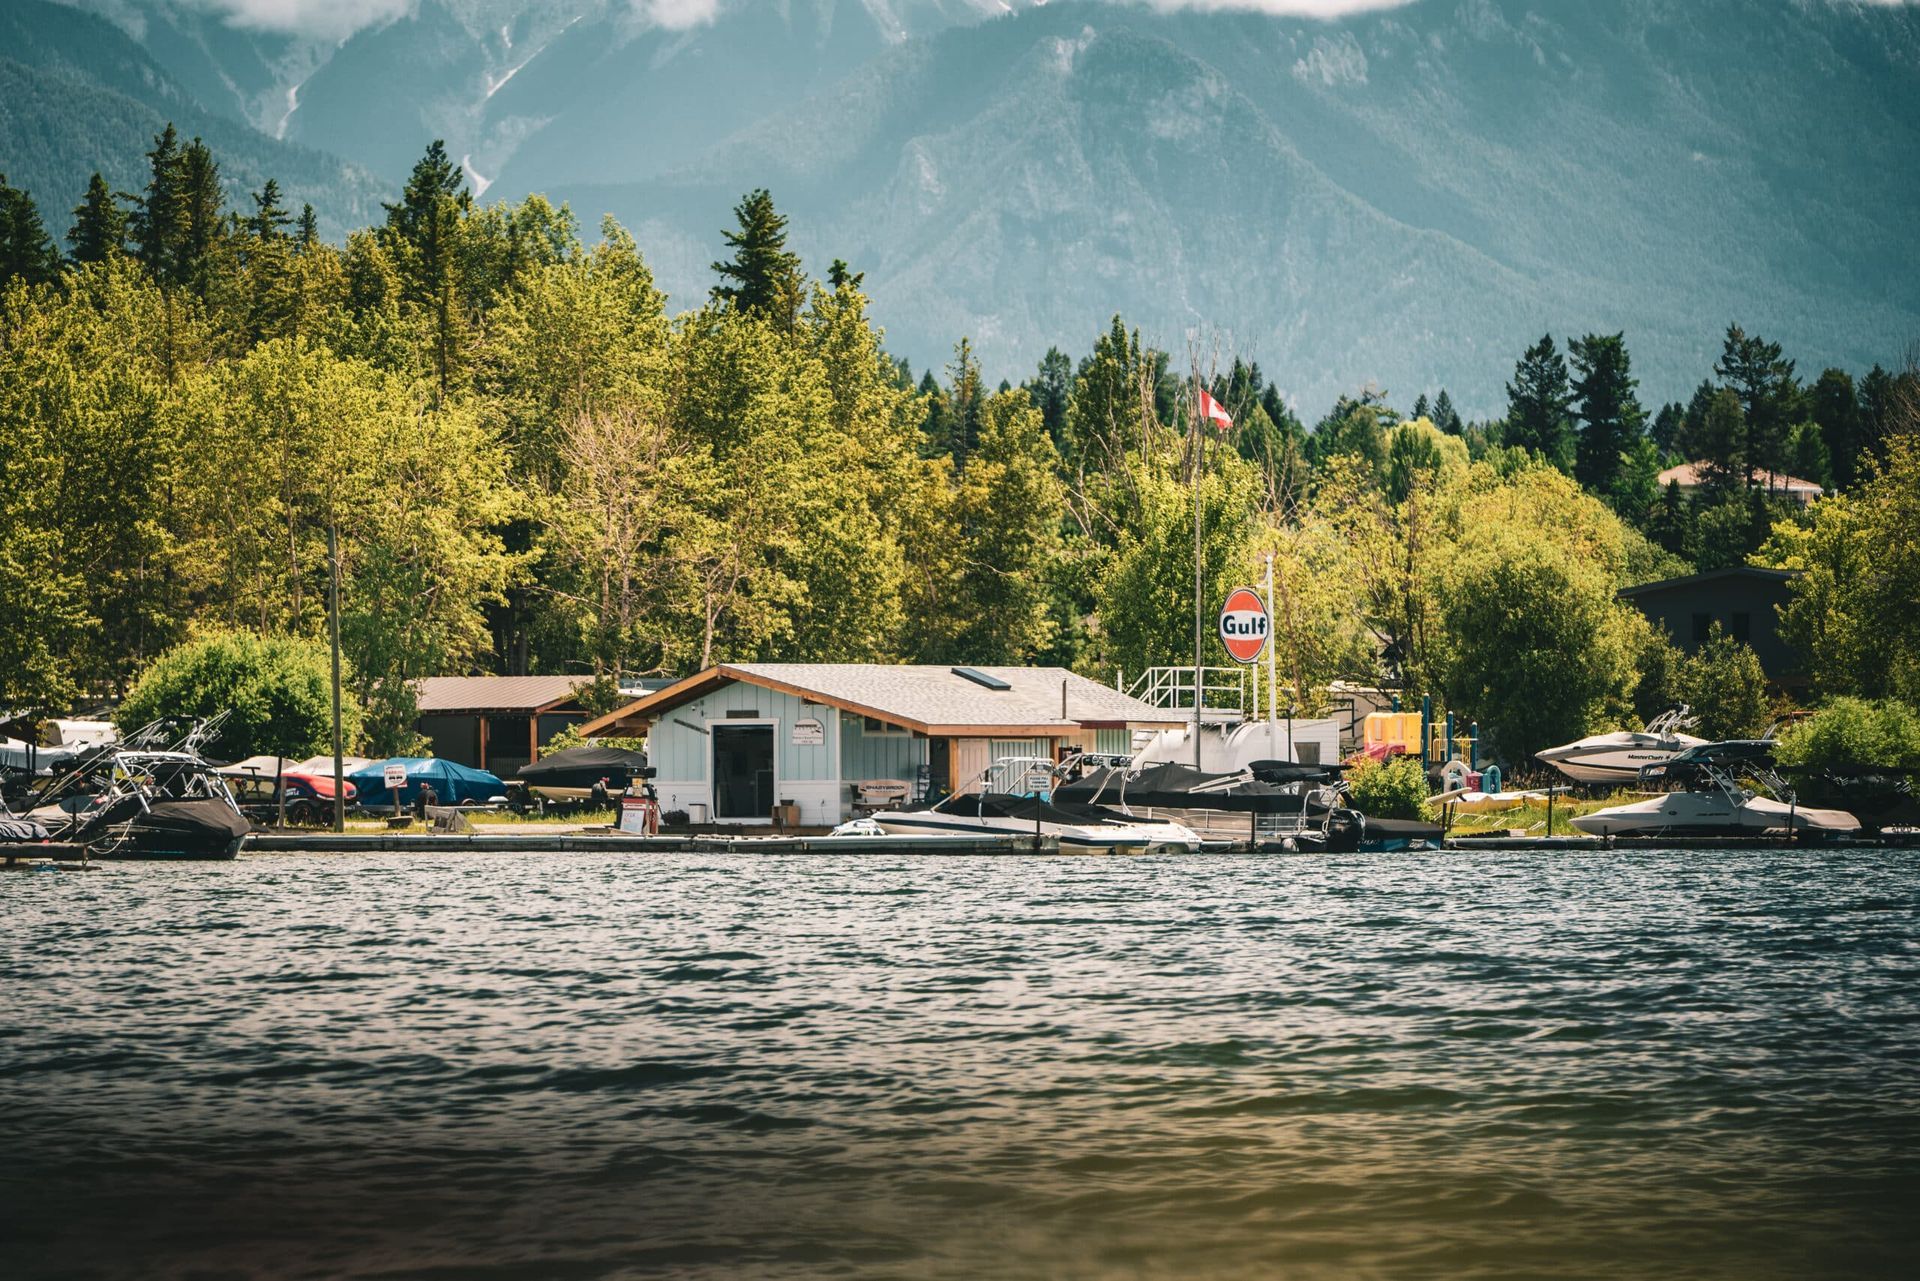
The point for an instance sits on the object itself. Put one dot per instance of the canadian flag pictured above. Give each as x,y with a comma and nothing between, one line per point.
1213,411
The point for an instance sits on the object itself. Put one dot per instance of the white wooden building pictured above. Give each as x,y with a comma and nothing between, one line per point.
735,740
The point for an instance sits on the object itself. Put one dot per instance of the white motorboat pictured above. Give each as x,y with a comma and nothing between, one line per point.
1718,789
1620,756
1014,797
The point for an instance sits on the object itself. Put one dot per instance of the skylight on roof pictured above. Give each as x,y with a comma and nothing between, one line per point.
980,678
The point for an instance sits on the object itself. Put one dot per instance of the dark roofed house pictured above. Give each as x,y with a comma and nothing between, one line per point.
1744,599
496,723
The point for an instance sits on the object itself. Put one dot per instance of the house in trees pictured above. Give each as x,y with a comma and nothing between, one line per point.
496,723
1745,600
1692,476
734,741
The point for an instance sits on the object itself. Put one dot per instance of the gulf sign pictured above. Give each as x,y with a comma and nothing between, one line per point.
1244,625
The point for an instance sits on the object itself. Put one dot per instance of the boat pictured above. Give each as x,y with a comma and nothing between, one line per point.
1879,797
152,796
1285,804
1717,789
570,775
1015,797
1620,756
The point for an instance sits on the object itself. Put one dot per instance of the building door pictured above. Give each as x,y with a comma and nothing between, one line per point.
743,771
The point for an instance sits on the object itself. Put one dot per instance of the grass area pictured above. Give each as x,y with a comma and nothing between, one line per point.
1530,817
503,819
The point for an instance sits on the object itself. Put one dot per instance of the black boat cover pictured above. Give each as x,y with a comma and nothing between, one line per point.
585,766
201,827
1172,786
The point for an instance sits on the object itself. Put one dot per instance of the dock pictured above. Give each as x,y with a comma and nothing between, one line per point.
801,844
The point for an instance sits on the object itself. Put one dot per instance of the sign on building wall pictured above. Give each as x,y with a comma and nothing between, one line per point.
809,732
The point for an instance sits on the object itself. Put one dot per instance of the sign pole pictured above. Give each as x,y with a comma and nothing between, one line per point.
1199,448
333,620
1273,683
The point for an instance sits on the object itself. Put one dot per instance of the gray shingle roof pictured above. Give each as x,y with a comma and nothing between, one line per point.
927,696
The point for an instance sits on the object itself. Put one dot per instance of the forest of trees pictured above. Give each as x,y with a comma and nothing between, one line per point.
528,463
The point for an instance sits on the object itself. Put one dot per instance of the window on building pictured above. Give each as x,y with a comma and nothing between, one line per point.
1702,624
874,727
1741,628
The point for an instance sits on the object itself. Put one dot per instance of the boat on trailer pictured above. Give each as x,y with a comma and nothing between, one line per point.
1015,796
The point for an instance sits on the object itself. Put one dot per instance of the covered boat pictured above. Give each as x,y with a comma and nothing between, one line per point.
572,773
452,783
1717,789
1879,797
1015,797
1288,803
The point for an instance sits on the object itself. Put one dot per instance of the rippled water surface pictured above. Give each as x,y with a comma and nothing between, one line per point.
572,1066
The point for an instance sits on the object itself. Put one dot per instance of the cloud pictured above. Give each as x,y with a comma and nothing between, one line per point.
324,19
676,15
1284,8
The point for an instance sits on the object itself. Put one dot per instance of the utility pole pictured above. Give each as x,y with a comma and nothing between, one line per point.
333,620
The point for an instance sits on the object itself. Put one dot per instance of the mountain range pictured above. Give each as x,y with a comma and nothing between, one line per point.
1403,197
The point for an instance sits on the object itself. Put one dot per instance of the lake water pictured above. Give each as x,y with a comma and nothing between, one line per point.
1700,1064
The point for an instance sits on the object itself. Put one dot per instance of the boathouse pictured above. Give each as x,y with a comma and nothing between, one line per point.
733,742
496,723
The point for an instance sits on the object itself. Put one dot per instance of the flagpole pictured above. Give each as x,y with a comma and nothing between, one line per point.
1199,447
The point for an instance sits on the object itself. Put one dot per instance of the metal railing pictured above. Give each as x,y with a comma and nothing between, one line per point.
1220,689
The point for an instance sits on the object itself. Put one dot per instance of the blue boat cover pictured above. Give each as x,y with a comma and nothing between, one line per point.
453,784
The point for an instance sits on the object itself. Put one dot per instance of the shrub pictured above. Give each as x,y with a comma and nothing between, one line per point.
1726,687
278,687
1856,731
1396,788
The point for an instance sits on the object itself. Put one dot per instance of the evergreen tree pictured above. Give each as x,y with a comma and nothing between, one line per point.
1835,406
936,421
1807,455
99,224
1051,390
1718,447
1671,522
1280,414
1610,414
1878,400
270,217
1103,416
422,234
1754,370
1420,409
1537,403
27,252
1665,432
306,233
159,218
1694,421
967,400
201,201
1445,416
763,276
